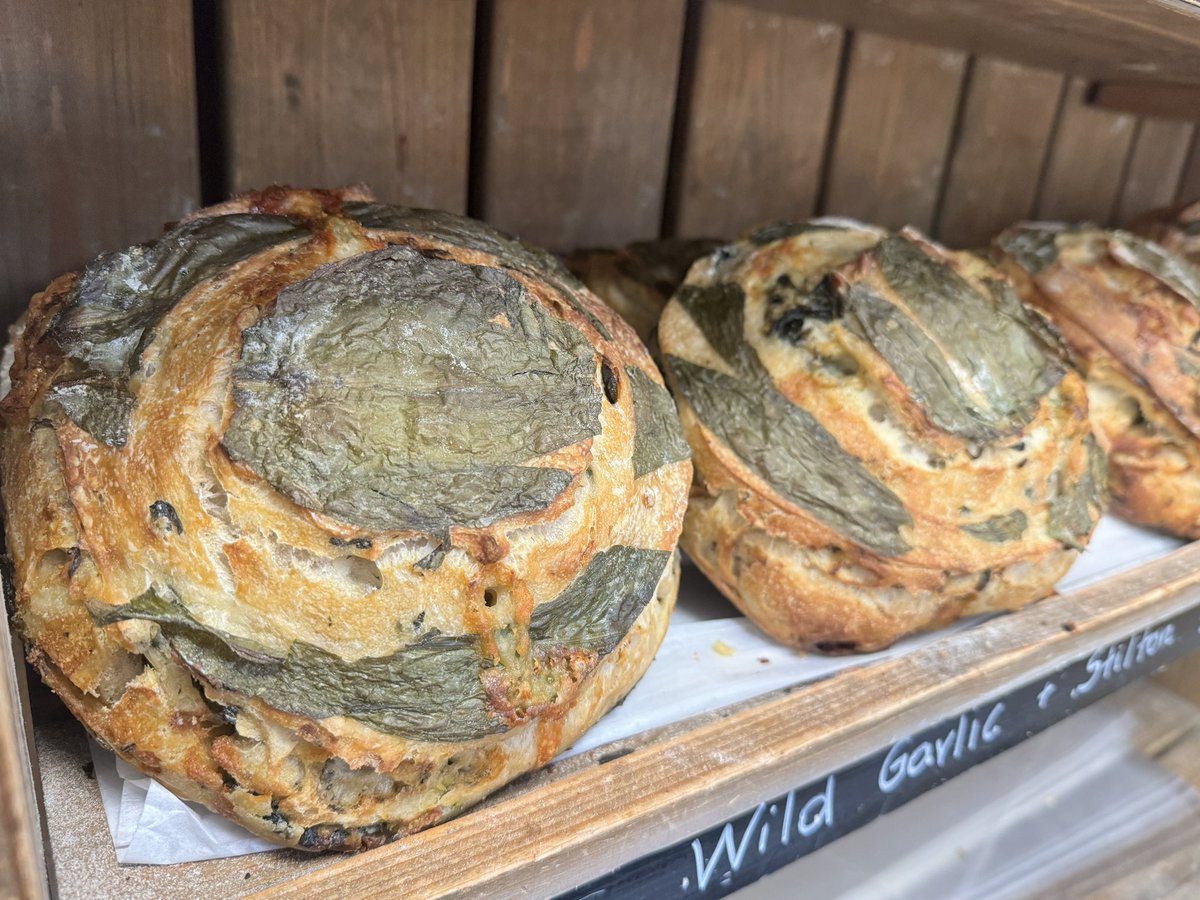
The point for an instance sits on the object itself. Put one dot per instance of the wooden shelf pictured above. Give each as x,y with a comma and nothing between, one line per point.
1144,40
635,806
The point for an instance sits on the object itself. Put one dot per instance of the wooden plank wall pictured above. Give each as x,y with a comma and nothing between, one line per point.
98,142
570,122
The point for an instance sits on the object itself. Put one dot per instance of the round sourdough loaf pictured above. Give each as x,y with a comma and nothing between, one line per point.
1129,310
883,439
336,516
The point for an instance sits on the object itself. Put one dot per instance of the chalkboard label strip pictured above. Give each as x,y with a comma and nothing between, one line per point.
779,831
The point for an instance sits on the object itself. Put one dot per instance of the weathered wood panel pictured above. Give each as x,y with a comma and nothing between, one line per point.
1189,181
894,129
579,100
1087,160
327,92
1169,100
97,133
1155,166
756,127
1106,39
1007,123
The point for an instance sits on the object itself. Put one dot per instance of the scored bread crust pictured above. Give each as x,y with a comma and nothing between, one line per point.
1134,334
806,581
87,532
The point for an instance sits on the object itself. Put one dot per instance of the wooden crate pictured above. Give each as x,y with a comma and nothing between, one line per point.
582,122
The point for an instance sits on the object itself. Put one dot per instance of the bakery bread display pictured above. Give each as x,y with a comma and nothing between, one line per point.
639,279
884,439
1128,310
1176,228
336,516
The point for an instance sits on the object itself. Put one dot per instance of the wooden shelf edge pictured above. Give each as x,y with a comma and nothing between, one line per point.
578,828
25,866
1168,101
1142,40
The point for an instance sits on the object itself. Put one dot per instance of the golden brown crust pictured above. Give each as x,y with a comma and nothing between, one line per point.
1134,335
94,524
976,524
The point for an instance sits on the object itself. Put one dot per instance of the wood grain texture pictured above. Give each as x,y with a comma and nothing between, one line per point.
23,871
1183,677
328,92
1164,860
1148,40
97,133
1087,160
579,102
756,125
1007,122
681,785
1155,166
898,112
1172,101
1189,181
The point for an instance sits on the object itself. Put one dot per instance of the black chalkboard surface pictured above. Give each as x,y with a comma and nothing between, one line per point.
786,828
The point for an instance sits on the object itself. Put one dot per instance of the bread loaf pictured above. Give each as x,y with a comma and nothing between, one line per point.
883,439
336,516
1128,310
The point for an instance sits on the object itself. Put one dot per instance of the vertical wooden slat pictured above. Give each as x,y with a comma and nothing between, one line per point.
23,861
97,132
895,125
756,125
326,92
1155,166
1189,181
579,102
1087,161
1007,121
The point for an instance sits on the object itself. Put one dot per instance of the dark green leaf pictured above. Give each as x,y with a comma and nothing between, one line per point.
998,529
110,315
719,310
971,360
1075,505
428,690
398,392
1032,246
791,451
98,404
598,608
526,259
658,438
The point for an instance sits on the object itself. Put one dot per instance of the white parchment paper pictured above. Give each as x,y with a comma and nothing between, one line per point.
721,659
